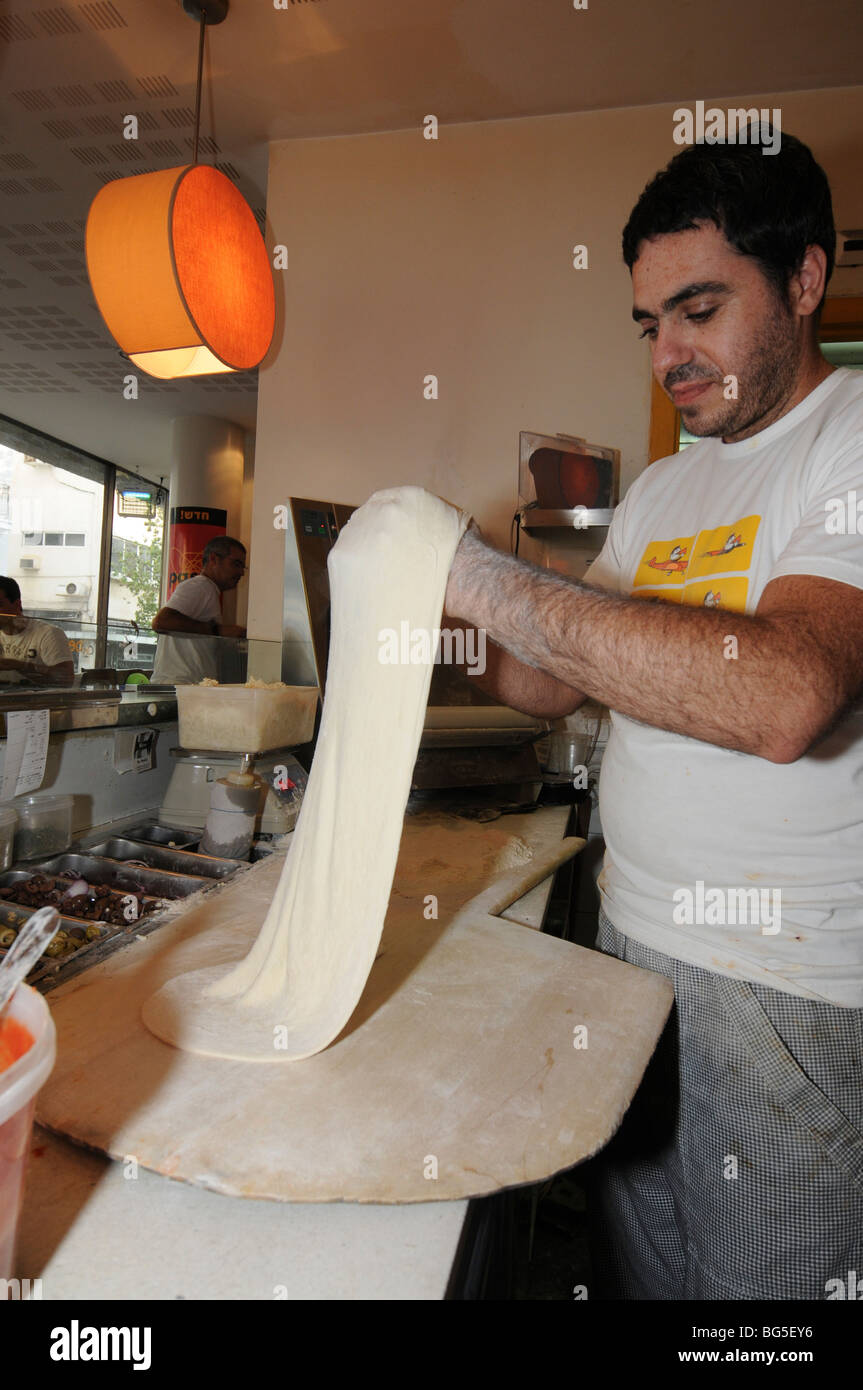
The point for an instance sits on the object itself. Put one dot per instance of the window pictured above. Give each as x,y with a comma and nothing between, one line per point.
71,577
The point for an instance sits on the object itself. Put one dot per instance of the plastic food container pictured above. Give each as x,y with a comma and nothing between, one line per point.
19,1085
8,821
44,825
245,719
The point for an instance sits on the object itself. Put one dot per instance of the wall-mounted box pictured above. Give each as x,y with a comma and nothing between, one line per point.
565,483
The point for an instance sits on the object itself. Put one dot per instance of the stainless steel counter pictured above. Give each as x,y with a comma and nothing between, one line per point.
94,709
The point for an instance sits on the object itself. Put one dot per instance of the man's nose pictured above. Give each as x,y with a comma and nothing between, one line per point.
670,350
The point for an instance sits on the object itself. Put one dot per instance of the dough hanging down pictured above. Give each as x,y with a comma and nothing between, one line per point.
302,979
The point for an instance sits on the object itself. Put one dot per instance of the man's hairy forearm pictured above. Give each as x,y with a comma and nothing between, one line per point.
660,663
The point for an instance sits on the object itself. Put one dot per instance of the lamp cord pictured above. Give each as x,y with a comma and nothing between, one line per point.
198,87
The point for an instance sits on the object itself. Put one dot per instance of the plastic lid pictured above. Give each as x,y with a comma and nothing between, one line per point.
38,801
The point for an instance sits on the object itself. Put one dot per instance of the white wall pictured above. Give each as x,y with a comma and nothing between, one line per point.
409,257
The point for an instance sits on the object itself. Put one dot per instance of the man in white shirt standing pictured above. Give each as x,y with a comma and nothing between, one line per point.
194,611
730,789
31,651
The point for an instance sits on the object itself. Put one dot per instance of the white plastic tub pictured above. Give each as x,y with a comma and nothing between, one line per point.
19,1085
245,719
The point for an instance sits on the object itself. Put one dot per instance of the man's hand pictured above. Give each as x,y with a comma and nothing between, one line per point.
519,685
230,630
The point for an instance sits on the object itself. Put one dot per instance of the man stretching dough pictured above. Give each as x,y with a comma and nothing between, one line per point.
729,792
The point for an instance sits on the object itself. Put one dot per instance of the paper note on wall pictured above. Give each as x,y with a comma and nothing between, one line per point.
26,751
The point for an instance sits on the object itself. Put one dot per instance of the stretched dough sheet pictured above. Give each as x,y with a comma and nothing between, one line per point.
302,979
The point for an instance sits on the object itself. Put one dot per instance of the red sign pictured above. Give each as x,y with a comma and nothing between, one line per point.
191,528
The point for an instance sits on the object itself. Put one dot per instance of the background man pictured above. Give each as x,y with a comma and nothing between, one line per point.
31,651
736,754
195,611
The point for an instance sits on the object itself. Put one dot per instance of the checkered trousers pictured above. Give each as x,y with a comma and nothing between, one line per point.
738,1170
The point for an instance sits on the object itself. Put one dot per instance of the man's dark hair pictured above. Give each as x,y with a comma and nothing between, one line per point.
769,206
9,588
220,548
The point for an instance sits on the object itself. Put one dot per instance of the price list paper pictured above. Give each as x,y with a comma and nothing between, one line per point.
26,751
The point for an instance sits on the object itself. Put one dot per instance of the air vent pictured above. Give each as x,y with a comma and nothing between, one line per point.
57,21
44,185
29,562
230,170
11,187
18,161
102,15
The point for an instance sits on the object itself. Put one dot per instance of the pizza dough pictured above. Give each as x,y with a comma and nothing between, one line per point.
299,984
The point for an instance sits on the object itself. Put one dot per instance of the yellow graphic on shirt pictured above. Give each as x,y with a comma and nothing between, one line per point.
664,562
725,549
717,593
677,569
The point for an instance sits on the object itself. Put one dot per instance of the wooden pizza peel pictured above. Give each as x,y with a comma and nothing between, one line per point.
482,1054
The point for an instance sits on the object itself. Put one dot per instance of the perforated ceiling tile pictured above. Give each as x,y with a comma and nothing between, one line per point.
114,91
74,95
57,21
126,151
101,124
179,116
103,15
33,99
160,86
13,29
62,130
89,154
167,149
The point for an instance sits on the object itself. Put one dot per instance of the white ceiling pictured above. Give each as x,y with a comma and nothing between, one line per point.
71,71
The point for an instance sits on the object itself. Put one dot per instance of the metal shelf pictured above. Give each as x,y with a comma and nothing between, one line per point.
576,519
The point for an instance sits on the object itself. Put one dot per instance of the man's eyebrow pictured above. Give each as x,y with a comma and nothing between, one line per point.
688,292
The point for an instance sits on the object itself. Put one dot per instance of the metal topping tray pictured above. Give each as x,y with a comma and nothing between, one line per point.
154,883
105,937
175,860
165,835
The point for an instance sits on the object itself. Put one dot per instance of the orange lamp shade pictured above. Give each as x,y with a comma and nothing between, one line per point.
180,272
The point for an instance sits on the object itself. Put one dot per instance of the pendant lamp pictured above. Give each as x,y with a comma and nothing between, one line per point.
178,266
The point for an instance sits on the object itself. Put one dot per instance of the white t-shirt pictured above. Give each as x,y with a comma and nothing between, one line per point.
186,658
37,641
712,526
